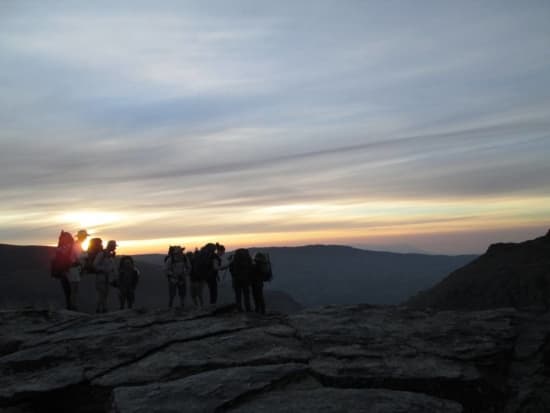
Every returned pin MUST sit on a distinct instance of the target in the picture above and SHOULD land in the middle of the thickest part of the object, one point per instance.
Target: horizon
(391, 249)
(421, 127)
(397, 249)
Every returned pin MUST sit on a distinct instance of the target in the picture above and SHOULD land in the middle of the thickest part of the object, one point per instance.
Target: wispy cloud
(197, 118)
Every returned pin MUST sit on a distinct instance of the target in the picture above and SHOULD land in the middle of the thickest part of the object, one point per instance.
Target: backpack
(202, 263)
(241, 267)
(123, 270)
(94, 247)
(135, 272)
(63, 258)
(174, 250)
(263, 266)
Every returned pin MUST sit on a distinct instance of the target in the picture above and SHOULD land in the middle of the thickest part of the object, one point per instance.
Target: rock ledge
(355, 358)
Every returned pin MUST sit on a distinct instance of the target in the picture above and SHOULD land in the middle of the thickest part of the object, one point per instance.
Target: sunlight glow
(89, 219)
(85, 243)
(352, 221)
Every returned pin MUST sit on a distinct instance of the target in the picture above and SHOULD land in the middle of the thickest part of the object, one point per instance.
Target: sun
(85, 244)
(91, 221)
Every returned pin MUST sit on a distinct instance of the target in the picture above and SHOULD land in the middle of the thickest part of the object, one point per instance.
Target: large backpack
(123, 271)
(263, 266)
(203, 268)
(172, 249)
(63, 258)
(95, 246)
(241, 267)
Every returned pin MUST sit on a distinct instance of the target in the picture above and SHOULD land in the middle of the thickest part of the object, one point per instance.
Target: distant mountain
(331, 274)
(156, 259)
(398, 248)
(318, 275)
(507, 275)
(25, 281)
(311, 275)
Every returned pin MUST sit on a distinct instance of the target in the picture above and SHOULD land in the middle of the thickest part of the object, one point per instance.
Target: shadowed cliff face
(355, 358)
(507, 275)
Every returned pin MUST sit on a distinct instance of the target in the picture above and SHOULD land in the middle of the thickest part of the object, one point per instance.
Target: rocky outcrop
(355, 358)
(507, 275)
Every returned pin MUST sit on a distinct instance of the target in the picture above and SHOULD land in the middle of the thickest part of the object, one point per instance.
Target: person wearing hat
(73, 276)
(105, 265)
(81, 236)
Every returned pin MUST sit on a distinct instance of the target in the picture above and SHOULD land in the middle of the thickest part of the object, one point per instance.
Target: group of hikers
(204, 266)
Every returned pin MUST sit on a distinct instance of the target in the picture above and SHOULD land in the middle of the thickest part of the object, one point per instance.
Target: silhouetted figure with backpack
(128, 277)
(261, 273)
(241, 269)
(75, 272)
(206, 265)
(95, 246)
(176, 268)
(105, 267)
(62, 262)
(195, 280)
(66, 265)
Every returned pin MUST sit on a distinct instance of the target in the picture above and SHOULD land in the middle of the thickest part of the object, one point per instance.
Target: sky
(398, 125)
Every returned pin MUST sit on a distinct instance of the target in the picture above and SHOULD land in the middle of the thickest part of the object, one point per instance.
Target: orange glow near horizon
(351, 221)
(357, 236)
(90, 219)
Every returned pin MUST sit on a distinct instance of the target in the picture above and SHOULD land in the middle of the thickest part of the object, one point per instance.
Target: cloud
(239, 107)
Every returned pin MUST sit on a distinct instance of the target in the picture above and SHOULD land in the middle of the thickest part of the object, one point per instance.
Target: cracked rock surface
(331, 359)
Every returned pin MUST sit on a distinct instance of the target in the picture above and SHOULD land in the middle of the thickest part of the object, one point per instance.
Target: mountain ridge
(312, 275)
(507, 275)
(341, 275)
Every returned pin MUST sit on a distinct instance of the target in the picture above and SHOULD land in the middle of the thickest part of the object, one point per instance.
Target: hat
(82, 233)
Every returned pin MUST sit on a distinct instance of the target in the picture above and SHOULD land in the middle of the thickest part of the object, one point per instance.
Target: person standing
(241, 268)
(74, 274)
(261, 272)
(195, 280)
(176, 268)
(224, 261)
(207, 264)
(105, 267)
(128, 277)
(61, 264)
